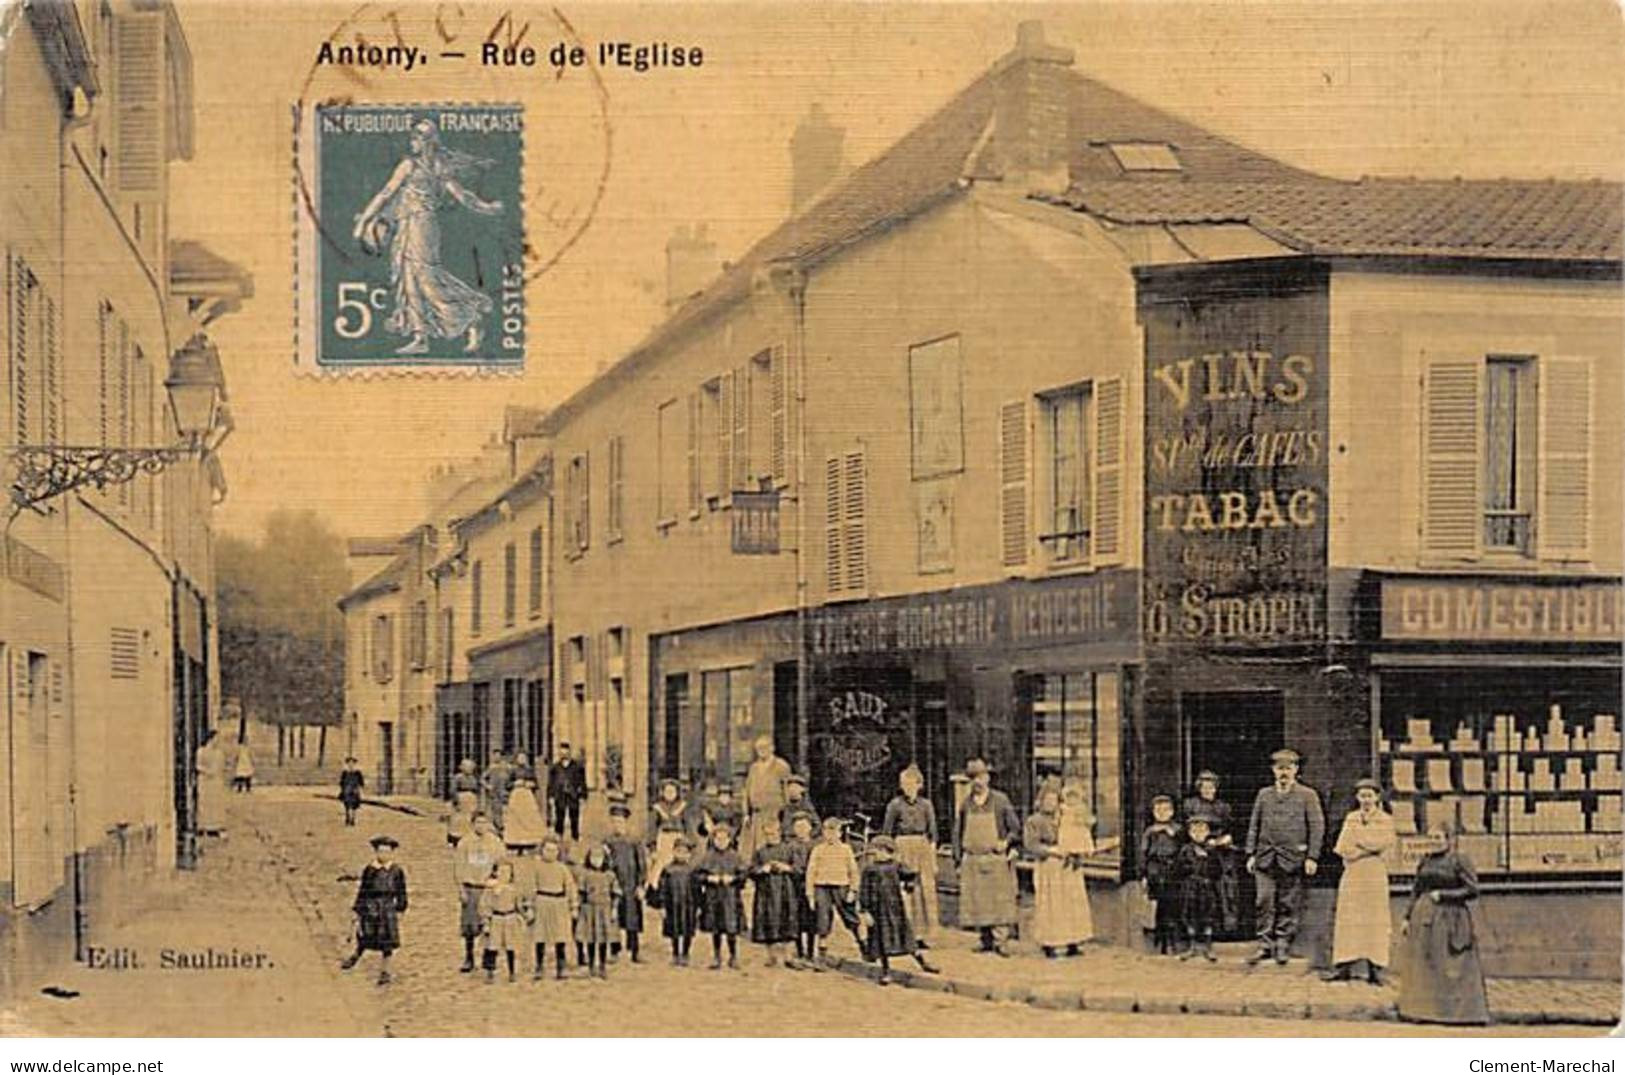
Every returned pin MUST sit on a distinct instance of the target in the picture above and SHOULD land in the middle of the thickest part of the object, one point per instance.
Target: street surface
(282, 885)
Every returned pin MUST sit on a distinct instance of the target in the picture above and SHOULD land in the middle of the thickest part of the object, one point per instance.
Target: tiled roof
(1501, 218)
(386, 581)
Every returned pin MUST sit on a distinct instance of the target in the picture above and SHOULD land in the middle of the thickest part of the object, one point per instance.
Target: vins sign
(756, 524)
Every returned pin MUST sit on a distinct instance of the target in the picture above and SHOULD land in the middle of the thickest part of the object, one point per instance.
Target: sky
(1477, 90)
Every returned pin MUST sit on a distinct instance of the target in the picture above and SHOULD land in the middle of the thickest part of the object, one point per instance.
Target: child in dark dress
(600, 895)
(1159, 851)
(673, 894)
(774, 919)
(630, 861)
(379, 902)
(720, 874)
(882, 909)
(1199, 868)
(800, 844)
(350, 784)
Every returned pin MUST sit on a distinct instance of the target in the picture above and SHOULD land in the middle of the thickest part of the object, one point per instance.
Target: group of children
(1183, 867)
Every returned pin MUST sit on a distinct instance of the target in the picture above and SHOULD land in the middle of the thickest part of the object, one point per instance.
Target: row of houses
(1073, 436)
(107, 609)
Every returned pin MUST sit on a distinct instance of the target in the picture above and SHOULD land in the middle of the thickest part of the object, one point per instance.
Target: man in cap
(1284, 839)
(986, 838)
(566, 787)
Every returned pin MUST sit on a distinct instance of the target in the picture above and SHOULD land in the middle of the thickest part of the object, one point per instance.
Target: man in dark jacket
(566, 787)
(1284, 839)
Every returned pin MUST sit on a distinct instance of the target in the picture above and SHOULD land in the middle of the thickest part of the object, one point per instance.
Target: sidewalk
(1108, 978)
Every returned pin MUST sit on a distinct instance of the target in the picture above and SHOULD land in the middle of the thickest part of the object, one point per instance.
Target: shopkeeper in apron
(985, 838)
(911, 821)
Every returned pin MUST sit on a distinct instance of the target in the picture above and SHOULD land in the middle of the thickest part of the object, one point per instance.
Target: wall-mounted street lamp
(41, 472)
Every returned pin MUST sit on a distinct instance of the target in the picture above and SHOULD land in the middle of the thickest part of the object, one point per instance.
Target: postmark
(413, 249)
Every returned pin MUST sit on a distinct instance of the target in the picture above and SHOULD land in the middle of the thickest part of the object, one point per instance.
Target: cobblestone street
(284, 882)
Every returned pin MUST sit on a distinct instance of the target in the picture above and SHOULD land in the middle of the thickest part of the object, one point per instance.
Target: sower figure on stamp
(429, 299)
(1284, 839)
(380, 900)
(985, 840)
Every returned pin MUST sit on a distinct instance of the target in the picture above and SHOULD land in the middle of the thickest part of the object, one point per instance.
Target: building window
(671, 450)
(615, 521)
(1076, 738)
(1509, 453)
(538, 564)
(1066, 445)
(713, 446)
(510, 583)
(936, 418)
(1145, 156)
(418, 640)
(476, 597)
(1507, 457)
(577, 493)
(728, 722)
(383, 648)
(846, 525)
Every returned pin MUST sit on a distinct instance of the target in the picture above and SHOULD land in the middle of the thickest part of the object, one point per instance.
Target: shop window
(1076, 738)
(1507, 457)
(1527, 767)
(728, 718)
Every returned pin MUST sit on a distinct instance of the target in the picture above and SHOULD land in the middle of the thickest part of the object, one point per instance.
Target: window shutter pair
(846, 523)
(1452, 517)
(1016, 478)
(137, 89)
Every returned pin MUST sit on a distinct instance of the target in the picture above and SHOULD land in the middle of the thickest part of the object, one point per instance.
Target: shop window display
(1075, 737)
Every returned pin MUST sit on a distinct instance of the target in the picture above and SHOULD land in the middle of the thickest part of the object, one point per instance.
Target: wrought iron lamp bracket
(42, 472)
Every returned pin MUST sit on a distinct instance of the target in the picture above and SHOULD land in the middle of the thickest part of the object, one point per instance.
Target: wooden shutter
(693, 451)
(741, 428)
(1563, 517)
(1106, 532)
(1014, 466)
(834, 569)
(725, 435)
(137, 99)
(1452, 428)
(53, 377)
(855, 520)
(584, 505)
(778, 406)
(536, 564)
(617, 472)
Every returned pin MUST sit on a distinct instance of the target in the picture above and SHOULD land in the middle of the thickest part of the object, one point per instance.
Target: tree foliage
(281, 632)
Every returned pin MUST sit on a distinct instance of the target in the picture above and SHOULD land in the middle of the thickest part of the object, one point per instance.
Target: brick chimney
(691, 262)
(815, 156)
(1031, 117)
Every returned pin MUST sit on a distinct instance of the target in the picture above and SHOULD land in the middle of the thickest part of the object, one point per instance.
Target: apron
(987, 884)
(916, 853)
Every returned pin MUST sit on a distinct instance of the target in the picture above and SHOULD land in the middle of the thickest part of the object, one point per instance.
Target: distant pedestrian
(1222, 839)
(1159, 854)
(600, 895)
(210, 763)
(800, 844)
(566, 787)
(497, 782)
(911, 821)
(674, 895)
(775, 902)
(523, 824)
(472, 862)
(832, 887)
(242, 775)
(630, 861)
(669, 820)
(1061, 916)
(380, 900)
(1198, 868)
(1361, 926)
(1442, 979)
(351, 783)
(502, 919)
(882, 909)
(720, 875)
(1284, 838)
(555, 904)
(985, 841)
(523, 769)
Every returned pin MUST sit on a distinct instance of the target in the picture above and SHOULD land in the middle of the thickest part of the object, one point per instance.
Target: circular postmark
(450, 55)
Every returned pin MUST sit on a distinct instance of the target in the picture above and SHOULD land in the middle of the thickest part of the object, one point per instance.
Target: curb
(1072, 1001)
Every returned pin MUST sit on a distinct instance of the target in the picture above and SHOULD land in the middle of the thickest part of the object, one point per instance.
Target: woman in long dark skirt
(673, 895)
(773, 919)
(1443, 980)
(883, 909)
(380, 900)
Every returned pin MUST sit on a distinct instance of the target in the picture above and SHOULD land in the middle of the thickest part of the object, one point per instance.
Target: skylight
(1145, 156)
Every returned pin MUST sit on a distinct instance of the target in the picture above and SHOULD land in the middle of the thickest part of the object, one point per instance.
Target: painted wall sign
(1081, 608)
(1487, 610)
(756, 523)
(1236, 471)
(30, 568)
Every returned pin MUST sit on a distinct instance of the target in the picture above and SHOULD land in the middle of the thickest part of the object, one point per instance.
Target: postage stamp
(410, 237)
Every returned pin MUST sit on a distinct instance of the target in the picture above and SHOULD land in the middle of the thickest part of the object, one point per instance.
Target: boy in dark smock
(882, 908)
(720, 874)
(630, 861)
(380, 900)
(674, 895)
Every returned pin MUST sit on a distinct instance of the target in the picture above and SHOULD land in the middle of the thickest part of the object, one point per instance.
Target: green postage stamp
(410, 237)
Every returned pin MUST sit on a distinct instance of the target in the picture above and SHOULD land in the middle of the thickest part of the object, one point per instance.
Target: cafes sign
(1489, 610)
(756, 523)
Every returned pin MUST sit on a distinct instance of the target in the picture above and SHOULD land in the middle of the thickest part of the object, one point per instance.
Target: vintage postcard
(742, 519)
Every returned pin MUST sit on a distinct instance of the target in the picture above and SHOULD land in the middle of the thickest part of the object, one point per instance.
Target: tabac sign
(1236, 470)
(756, 523)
